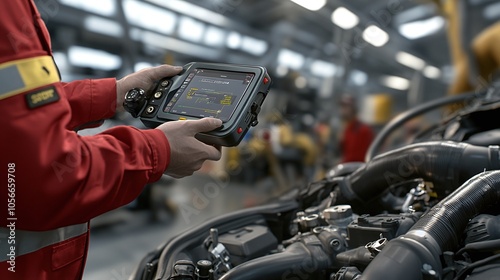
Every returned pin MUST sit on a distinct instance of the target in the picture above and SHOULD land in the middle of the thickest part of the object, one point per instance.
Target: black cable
(474, 265)
(410, 114)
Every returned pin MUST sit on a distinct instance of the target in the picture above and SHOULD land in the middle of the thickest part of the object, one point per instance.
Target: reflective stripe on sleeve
(26, 74)
(24, 242)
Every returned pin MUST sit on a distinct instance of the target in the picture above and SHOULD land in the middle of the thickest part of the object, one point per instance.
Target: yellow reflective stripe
(26, 74)
(21, 242)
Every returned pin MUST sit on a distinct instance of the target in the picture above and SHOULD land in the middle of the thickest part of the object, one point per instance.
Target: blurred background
(333, 63)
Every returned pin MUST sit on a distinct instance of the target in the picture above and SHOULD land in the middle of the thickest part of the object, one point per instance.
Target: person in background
(357, 136)
(55, 180)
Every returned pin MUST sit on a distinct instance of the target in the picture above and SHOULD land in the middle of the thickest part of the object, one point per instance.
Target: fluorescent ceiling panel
(418, 29)
(253, 46)
(103, 26)
(191, 29)
(149, 17)
(290, 59)
(358, 77)
(432, 72)
(194, 11)
(396, 82)
(375, 36)
(312, 5)
(101, 7)
(173, 44)
(323, 69)
(214, 36)
(233, 40)
(93, 58)
(410, 60)
(344, 18)
(142, 65)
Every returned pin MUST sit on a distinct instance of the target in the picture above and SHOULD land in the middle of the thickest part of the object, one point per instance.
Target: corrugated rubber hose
(438, 230)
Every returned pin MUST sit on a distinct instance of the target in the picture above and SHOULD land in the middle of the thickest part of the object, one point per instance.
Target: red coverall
(61, 180)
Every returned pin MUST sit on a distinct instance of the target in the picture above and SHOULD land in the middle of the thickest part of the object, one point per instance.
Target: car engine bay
(428, 210)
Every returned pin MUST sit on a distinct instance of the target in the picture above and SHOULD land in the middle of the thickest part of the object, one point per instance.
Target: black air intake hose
(446, 164)
(438, 230)
(296, 262)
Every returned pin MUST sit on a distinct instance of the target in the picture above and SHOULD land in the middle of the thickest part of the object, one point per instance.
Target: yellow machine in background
(476, 59)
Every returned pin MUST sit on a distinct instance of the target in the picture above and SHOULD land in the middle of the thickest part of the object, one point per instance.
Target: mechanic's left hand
(143, 79)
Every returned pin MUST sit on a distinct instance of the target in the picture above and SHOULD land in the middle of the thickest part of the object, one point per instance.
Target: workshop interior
(369, 147)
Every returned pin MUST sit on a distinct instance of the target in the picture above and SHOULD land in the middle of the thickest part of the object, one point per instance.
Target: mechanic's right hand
(187, 153)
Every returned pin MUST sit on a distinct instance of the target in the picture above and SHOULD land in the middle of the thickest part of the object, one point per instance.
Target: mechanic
(357, 136)
(53, 180)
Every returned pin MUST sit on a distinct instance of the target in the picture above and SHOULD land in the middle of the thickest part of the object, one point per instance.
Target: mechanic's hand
(143, 79)
(187, 153)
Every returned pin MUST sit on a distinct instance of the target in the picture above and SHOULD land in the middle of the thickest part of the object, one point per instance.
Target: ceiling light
(322, 68)
(344, 18)
(233, 40)
(253, 46)
(396, 82)
(149, 17)
(290, 59)
(194, 11)
(312, 5)
(415, 13)
(432, 72)
(410, 60)
(375, 36)
(358, 77)
(176, 45)
(93, 58)
(417, 29)
(190, 29)
(214, 36)
(142, 65)
(103, 26)
(101, 7)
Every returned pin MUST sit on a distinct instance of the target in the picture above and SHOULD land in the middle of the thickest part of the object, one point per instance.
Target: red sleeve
(90, 100)
(61, 178)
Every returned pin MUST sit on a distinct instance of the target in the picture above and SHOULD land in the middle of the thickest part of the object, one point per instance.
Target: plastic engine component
(483, 227)
(248, 243)
(369, 228)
